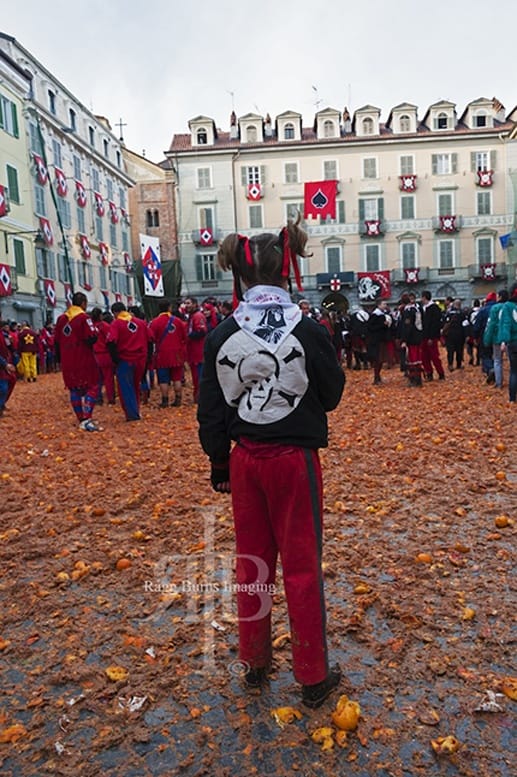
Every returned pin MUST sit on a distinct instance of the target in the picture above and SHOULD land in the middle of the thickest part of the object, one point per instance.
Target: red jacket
(196, 335)
(169, 335)
(75, 334)
(28, 341)
(131, 337)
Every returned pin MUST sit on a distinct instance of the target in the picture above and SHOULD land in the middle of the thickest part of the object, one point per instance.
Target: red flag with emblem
(104, 253)
(206, 237)
(485, 177)
(113, 212)
(320, 199)
(374, 285)
(50, 292)
(85, 246)
(118, 297)
(99, 204)
(68, 294)
(412, 274)
(127, 261)
(61, 182)
(3, 201)
(40, 169)
(46, 230)
(6, 287)
(80, 194)
(254, 191)
(488, 272)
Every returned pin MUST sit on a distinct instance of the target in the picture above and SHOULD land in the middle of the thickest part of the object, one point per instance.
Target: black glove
(219, 473)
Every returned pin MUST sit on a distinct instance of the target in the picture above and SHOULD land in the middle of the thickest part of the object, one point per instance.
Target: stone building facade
(421, 199)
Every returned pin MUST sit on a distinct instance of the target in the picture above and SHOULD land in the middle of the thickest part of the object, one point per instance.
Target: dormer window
(329, 130)
(405, 124)
(289, 132)
(202, 137)
(480, 120)
(251, 134)
(441, 121)
(367, 125)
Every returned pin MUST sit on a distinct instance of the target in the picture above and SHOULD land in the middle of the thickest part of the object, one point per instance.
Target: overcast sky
(158, 63)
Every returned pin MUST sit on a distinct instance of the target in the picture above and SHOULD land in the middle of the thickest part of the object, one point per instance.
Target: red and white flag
(206, 236)
(3, 201)
(320, 199)
(68, 294)
(104, 253)
(118, 296)
(408, 183)
(412, 274)
(124, 215)
(127, 261)
(61, 182)
(46, 230)
(85, 246)
(374, 285)
(254, 191)
(488, 272)
(113, 212)
(80, 194)
(40, 169)
(99, 204)
(6, 287)
(130, 300)
(50, 292)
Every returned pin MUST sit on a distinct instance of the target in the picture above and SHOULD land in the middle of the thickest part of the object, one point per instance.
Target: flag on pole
(68, 294)
(506, 241)
(61, 182)
(46, 230)
(152, 266)
(80, 194)
(5, 280)
(373, 285)
(50, 292)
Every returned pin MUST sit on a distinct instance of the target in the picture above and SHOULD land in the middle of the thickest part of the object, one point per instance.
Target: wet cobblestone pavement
(418, 585)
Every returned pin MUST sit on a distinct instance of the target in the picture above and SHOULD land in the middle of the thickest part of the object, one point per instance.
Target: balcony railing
(448, 225)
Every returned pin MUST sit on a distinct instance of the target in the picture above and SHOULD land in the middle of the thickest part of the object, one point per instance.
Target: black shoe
(165, 403)
(429, 376)
(313, 696)
(255, 678)
(490, 378)
(377, 381)
(441, 377)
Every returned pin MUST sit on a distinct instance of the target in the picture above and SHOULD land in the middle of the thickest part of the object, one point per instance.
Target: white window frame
(203, 178)
(440, 244)
(482, 160)
(251, 134)
(289, 131)
(208, 267)
(488, 239)
(403, 119)
(367, 125)
(409, 198)
(296, 165)
(329, 129)
(371, 209)
(405, 167)
(256, 208)
(206, 217)
(414, 263)
(442, 117)
(480, 196)
(445, 211)
(253, 174)
(373, 162)
(333, 173)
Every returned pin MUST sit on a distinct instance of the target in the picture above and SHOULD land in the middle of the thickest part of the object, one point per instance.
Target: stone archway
(335, 302)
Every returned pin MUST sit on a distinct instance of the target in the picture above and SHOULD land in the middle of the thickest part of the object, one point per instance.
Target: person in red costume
(129, 343)
(169, 336)
(197, 330)
(103, 358)
(75, 336)
(28, 345)
(270, 376)
(7, 368)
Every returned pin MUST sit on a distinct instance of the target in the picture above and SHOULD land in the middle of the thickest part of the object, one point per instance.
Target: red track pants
(277, 510)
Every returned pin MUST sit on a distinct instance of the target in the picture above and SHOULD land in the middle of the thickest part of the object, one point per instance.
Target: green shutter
(454, 163)
(16, 132)
(1, 112)
(361, 210)
(262, 174)
(493, 158)
(434, 164)
(473, 166)
(244, 176)
(341, 212)
(380, 208)
(199, 268)
(19, 257)
(12, 184)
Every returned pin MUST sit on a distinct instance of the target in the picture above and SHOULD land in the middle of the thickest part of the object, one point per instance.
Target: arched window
(329, 130)
(405, 124)
(148, 218)
(202, 137)
(289, 132)
(156, 218)
(251, 134)
(368, 126)
(442, 121)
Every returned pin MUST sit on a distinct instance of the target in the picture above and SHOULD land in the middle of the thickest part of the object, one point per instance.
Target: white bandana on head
(267, 315)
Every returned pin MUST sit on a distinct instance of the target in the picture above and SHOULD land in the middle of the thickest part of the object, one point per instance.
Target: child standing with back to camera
(270, 376)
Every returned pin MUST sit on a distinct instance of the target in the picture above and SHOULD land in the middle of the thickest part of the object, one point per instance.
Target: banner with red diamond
(50, 292)
(68, 294)
(80, 194)
(46, 230)
(206, 237)
(104, 253)
(6, 288)
(3, 201)
(99, 204)
(85, 247)
(254, 191)
(40, 169)
(113, 212)
(61, 182)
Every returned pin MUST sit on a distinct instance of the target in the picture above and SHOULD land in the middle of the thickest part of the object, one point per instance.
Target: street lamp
(39, 240)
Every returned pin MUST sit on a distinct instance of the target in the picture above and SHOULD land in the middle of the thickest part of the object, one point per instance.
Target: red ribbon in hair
(289, 257)
(245, 241)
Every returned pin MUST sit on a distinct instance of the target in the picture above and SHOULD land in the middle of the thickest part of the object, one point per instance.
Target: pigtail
(292, 241)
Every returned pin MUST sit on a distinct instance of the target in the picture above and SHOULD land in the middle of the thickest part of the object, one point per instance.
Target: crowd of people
(122, 356)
